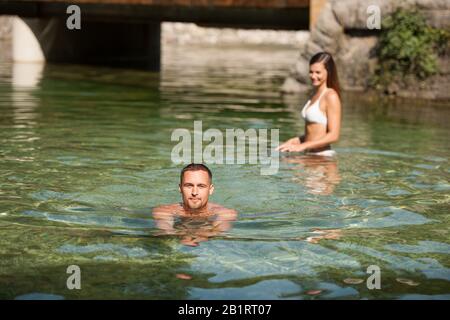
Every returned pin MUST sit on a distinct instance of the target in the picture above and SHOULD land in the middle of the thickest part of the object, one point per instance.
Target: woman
(322, 112)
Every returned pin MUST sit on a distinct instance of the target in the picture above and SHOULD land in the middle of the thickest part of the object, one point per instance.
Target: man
(199, 219)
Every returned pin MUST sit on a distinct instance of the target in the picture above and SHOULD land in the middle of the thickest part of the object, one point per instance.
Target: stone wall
(190, 33)
(342, 31)
(5, 38)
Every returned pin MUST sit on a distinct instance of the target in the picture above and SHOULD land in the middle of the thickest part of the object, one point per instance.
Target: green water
(85, 155)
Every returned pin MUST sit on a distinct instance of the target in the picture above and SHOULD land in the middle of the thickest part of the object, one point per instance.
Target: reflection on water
(25, 78)
(319, 174)
(26, 75)
(193, 232)
(86, 156)
(333, 234)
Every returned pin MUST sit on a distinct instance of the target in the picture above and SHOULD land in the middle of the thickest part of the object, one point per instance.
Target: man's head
(196, 186)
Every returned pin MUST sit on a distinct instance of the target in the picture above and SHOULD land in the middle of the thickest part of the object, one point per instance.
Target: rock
(190, 33)
(183, 276)
(341, 29)
(352, 14)
(6, 23)
(393, 88)
(438, 18)
(302, 70)
(5, 27)
(291, 85)
(313, 292)
(353, 281)
(432, 4)
(311, 48)
(357, 52)
(444, 65)
(327, 23)
(324, 41)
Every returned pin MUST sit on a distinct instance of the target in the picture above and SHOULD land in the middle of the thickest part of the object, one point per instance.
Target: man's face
(195, 189)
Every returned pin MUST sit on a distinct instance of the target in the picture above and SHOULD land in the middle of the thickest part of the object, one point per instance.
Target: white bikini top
(313, 113)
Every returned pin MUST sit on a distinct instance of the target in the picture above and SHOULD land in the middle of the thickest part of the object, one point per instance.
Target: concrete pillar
(315, 7)
(116, 44)
(25, 45)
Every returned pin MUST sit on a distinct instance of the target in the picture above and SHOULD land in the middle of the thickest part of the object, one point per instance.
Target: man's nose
(194, 191)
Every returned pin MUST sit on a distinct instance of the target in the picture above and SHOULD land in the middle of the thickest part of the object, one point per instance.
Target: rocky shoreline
(342, 31)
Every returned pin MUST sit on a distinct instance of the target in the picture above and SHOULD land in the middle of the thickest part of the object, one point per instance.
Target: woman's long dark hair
(330, 66)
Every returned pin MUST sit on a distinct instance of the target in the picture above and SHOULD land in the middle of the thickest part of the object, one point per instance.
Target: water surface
(85, 155)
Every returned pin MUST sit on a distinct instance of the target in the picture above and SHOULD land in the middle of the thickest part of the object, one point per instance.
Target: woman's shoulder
(332, 100)
(332, 97)
(331, 94)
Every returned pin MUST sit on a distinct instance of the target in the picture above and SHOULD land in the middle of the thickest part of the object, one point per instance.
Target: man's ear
(179, 187)
(211, 189)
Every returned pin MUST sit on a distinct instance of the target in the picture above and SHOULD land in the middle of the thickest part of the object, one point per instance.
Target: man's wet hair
(196, 167)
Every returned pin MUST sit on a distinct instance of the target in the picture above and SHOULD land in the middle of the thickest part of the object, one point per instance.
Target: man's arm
(164, 218)
(225, 217)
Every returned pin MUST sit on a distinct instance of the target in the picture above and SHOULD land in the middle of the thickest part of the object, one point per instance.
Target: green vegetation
(408, 48)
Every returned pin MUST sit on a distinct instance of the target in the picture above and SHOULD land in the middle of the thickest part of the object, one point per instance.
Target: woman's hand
(292, 148)
(292, 145)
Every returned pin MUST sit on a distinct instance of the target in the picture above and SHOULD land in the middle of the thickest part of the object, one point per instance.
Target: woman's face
(317, 74)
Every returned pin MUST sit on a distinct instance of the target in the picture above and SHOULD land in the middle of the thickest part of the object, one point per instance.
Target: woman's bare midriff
(314, 132)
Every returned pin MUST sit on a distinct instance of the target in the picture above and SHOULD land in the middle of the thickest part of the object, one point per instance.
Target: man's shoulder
(163, 207)
(166, 209)
(223, 212)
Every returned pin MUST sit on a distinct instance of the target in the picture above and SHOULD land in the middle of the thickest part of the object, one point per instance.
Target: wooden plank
(281, 18)
(199, 3)
(316, 7)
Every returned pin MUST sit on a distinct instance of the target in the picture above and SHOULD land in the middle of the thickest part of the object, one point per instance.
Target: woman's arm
(333, 109)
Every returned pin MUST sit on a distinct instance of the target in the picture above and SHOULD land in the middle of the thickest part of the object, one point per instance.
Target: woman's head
(323, 69)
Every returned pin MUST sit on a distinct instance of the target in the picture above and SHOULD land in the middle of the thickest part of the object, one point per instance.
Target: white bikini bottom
(325, 153)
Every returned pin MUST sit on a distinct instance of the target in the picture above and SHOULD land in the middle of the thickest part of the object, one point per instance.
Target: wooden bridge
(273, 14)
(113, 30)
